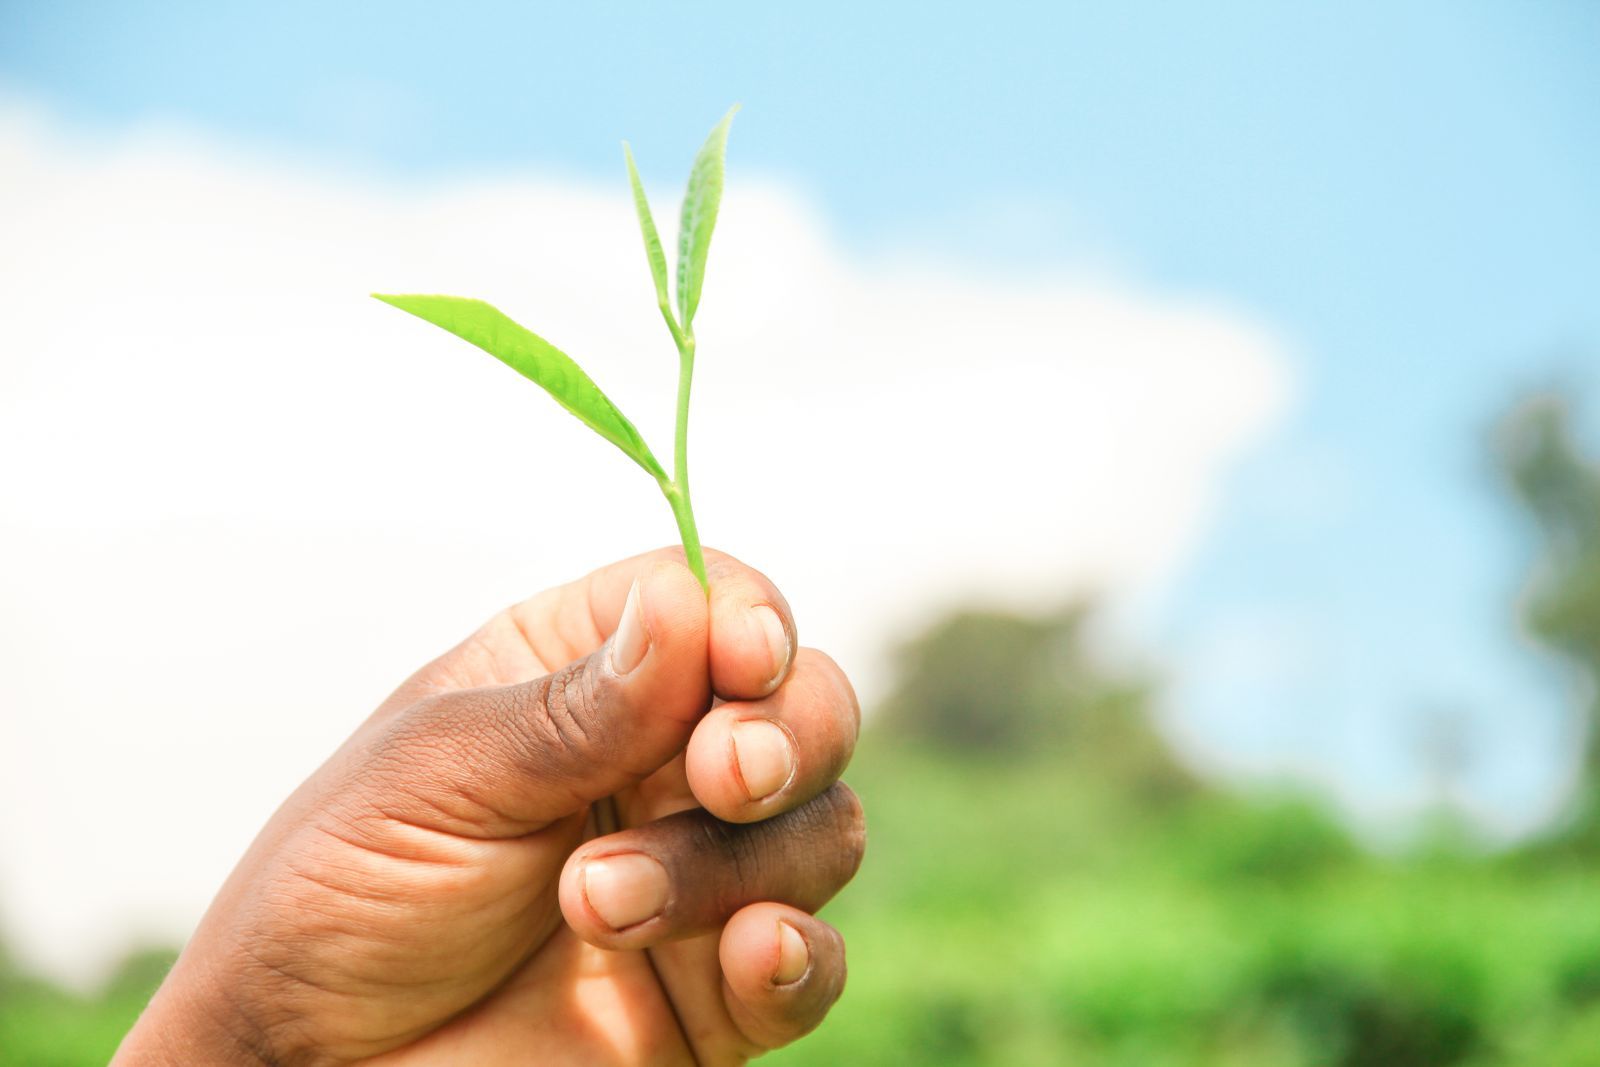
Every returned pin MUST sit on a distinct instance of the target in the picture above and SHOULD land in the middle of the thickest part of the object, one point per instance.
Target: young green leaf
(647, 226)
(537, 359)
(699, 218)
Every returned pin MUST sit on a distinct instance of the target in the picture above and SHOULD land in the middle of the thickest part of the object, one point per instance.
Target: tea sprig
(538, 360)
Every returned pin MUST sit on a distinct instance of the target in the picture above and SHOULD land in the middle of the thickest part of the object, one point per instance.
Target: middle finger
(687, 873)
(750, 760)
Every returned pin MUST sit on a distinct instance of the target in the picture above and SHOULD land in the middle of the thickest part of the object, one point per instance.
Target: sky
(1210, 309)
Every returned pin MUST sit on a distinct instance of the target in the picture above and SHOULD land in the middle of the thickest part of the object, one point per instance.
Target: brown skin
(421, 898)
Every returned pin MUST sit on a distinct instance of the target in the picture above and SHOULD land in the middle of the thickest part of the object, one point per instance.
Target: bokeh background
(1172, 416)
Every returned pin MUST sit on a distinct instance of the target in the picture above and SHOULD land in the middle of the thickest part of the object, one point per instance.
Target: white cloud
(239, 500)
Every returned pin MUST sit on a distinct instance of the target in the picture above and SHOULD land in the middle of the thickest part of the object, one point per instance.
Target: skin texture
(428, 895)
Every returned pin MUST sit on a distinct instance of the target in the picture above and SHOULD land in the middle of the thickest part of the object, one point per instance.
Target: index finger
(752, 638)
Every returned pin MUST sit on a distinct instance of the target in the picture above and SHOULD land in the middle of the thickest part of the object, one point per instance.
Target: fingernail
(794, 955)
(632, 640)
(765, 759)
(777, 640)
(625, 890)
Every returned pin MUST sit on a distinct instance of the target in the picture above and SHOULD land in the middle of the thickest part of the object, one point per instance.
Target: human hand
(543, 848)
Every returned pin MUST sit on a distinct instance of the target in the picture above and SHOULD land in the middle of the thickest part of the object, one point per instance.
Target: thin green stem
(684, 513)
(672, 325)
(677, 491)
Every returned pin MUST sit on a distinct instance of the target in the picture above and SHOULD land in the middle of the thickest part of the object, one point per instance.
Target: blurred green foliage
(992, 686)
(1018, 915)
(1560, 489)
(45, 1026)
(1047, 884)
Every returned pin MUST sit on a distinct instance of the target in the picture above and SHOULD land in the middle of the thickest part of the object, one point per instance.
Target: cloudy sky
(1206, 313)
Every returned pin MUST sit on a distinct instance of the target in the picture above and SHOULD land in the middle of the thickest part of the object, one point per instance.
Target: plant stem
(677, 491)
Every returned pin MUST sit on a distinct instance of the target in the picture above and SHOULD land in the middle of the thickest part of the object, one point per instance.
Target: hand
(550, 846)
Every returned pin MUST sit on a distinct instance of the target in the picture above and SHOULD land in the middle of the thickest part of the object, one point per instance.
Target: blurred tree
(1560, 487)
(1000, 684)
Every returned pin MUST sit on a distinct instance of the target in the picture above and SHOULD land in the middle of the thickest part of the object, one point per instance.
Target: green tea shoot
(537, 359)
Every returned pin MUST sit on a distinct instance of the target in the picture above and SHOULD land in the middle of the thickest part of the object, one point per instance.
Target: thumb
(504, 761)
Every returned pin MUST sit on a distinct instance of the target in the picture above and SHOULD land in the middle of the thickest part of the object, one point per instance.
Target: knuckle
(745, 856)
(556, 725)
(565, 707)
(829, 831)
(831, 687)
(466, 755)
(850, 826)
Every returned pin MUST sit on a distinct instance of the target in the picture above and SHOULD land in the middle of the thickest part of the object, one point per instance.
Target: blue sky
(1406, 192)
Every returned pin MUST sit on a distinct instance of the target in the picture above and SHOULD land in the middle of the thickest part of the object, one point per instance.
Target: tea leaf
(647, 226)
(699, 218)
(535, 358)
